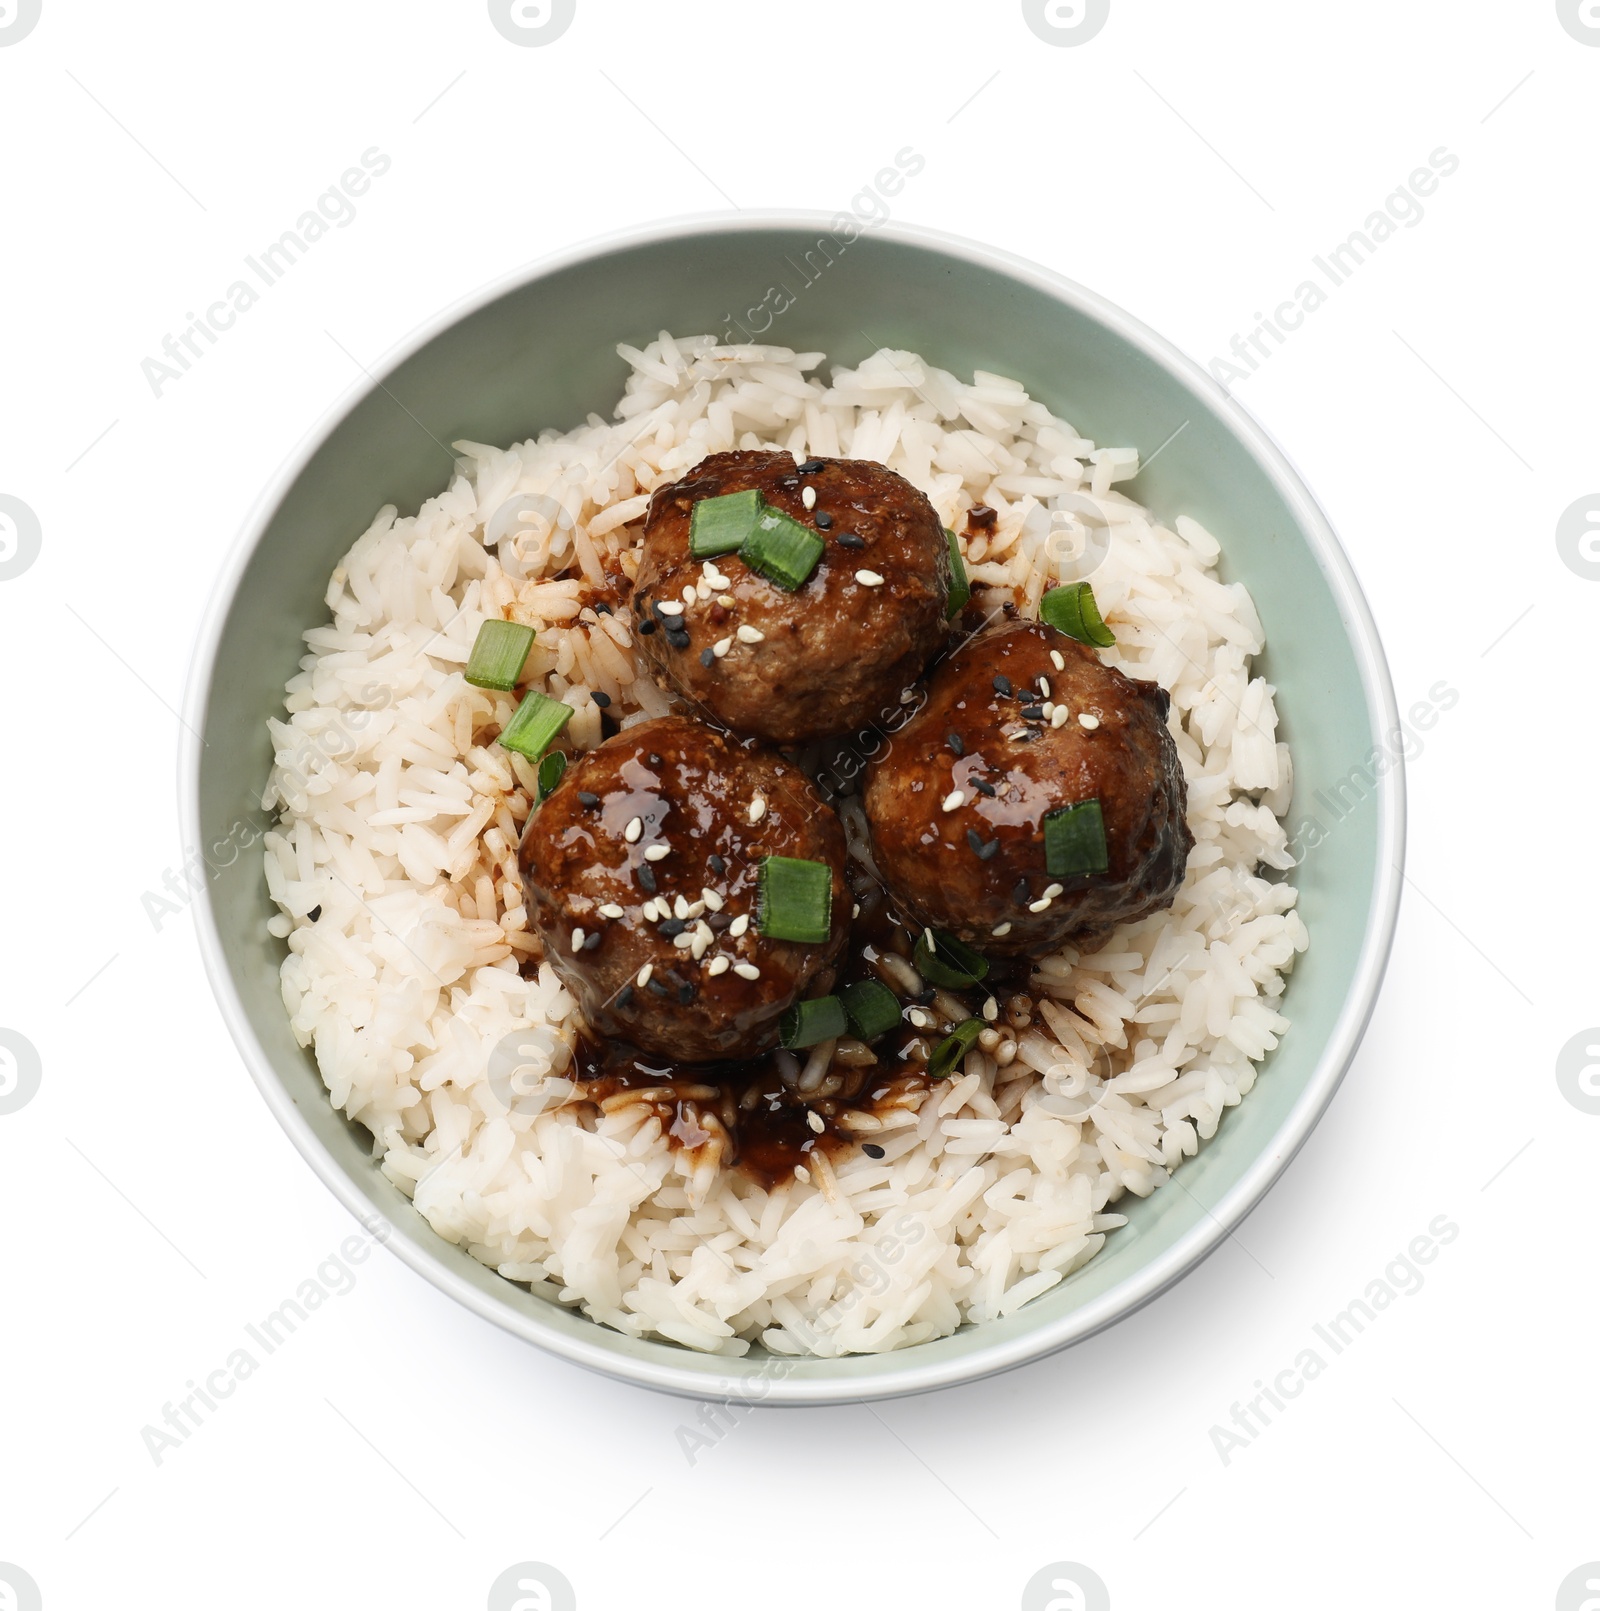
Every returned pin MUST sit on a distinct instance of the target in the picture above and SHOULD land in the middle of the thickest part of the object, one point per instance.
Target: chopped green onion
(551, 771)
(1072, 610)
(534, 726)
(1075, 839)
(720, 525)
(874, 1008)
(948, 1054)
(947, 962)
(796, 899)
(782, 550)
(498, 654)
(960, 587)
(808, 1023)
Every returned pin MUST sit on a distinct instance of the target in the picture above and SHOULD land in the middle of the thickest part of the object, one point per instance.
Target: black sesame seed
(603, 700)
(602, 608)
(313, 914)
(685, 993)
(926, 998)
(678, 640)
(1020, 893)
(954, 741)
(716, 864)
(848, 539)
(987, 852)
(810, 467)
(1033, 713)
(588, 801)
(1002, 686)
(708, 657)
(656, 986)
(824, 520)
(625, 996)
(672, 928)
(872, 1149)
(646, 628)
(975, 839)
(718, 922)
(591, 942)
(982, 787)
(647, 878)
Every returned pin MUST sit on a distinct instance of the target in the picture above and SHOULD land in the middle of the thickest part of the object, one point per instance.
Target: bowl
(538, 349)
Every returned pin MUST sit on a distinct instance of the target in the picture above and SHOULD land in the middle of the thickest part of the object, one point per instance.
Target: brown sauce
(765, 1120)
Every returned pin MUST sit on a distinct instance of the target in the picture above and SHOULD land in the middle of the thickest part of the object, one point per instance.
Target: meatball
(647, 855)
(831, 657)
(957, 802)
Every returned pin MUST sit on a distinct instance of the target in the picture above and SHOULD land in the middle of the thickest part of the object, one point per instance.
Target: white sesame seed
(928, 935)
(1040, 905)
(1051, 893)
(758, 808)
(954, 799)
(717, 579)
(656, 852)
(697, 908)
(633, 830)
(670, 608)
(712, 899)
(813, 1118)
(1048, 709)
(718, 965)
(747, 970)
(907, 695)
(1001, 930)
(801, 1173)
(703, 929)
(855, 909)
(1057, 661)
(698, 946)
(648, 911)
(919, 1019)
(991, 1010)
(680, 909)
(702, 591)
(1060, 716)
(739, 925)
(689, 595)
(1044, 686)
(869, 579)
(721, 647)
(1088, 723)
(750, 634)
(726, 601)
(611, 910)
(577, 939)
(642, 977)
(809, 497)
(682, 942)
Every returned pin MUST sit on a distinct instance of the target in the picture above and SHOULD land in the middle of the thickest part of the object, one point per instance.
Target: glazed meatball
(647, 855)
(957, 803)
(830, 657)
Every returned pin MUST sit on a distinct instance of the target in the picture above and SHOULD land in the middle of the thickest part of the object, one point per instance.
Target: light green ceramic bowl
(539, 350)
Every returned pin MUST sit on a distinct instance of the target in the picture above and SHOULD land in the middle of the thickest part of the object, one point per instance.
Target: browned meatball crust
(834, 655)
(977, 868)
(693, 794)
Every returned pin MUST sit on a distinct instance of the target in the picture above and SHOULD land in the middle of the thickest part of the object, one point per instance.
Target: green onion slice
(808, 1023)
(960, 587)
(782, 550)
(534, 726)
(498, 654)
(948, 1054)
(796, 899)
(720, 525)
(551, 771)
(1072, 610)
(873, 1008)
(1075, 839)
(947, 962)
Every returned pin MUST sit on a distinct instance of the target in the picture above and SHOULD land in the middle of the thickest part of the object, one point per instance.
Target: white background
(1188, 162)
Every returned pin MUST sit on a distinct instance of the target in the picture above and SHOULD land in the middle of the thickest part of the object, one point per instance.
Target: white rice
(994, 1186)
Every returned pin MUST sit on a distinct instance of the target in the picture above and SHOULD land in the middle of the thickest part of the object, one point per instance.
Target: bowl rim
(597, 1352)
